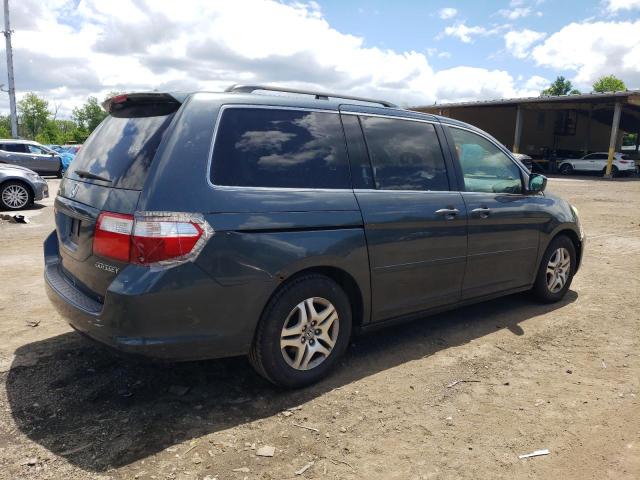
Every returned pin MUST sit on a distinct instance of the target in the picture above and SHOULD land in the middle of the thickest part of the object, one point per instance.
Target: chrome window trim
(502, 149)
(420, 192)
(393, 117)
(229, 106)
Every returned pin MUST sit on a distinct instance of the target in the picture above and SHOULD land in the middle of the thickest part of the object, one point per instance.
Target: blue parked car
(65, 156)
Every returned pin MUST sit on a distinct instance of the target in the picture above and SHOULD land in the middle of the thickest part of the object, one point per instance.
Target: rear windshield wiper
(93, 176)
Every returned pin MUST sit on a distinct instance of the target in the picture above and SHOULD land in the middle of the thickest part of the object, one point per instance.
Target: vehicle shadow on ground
(101, 411)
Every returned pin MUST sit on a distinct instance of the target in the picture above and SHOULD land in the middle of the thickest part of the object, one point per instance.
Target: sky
(409, 52)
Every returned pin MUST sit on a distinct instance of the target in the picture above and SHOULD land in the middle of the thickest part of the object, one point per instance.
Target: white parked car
(597, 162)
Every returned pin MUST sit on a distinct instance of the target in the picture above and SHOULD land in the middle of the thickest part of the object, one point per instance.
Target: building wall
(537, 130)
(538, 133)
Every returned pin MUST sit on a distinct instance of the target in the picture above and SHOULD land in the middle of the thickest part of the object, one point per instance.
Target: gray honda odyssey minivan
(277, 225)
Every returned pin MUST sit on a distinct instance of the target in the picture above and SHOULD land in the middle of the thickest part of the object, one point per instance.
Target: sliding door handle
(482, 212)
(448, 213)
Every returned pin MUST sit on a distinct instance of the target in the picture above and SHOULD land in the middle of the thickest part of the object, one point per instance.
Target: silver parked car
(31, 155)
(19, 187)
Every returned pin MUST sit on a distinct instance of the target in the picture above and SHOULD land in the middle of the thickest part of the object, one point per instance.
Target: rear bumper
(168, 314)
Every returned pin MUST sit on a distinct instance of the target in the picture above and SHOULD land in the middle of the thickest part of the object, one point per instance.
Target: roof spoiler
(317, 95)
(163, 103)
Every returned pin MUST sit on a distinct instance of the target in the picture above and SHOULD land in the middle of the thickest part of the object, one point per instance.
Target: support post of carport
(614, 137)
(587, 137)
(518, 131)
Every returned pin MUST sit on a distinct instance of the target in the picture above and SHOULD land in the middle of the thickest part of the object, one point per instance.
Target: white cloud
(463, 33)
(592, 50)
(434, 52)
(66, 50)
(615, 6)
(515, 13)
(66, 53)
(447, 13)
(518, 43)
(455, 85)
(537, 83)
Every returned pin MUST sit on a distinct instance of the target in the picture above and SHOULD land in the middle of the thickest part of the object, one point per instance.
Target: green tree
(5, 126)
(89, 115)
(609, 83)
(561, 86)
(34, 115)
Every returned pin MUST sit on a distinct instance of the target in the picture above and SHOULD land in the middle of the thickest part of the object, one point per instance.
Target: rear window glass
(121, 150)
(257, 147)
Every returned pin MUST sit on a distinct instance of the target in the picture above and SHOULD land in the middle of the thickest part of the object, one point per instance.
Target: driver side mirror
(537, 183)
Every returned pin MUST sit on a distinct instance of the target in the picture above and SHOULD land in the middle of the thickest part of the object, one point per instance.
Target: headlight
(577, 217)
(35, 177)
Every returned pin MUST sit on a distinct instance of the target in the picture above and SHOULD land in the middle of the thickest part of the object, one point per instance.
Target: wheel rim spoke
(300, 354)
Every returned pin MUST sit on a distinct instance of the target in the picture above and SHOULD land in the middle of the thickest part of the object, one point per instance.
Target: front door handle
(448, 213)
(482, 212)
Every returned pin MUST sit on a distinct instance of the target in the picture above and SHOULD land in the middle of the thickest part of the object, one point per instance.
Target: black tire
(566, 169)
(541, 290)
(614, 171)
(266, 355)
(15, 184)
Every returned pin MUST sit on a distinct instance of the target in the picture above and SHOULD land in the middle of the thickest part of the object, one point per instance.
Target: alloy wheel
(309, 333)
(558, 269)
(15, 196)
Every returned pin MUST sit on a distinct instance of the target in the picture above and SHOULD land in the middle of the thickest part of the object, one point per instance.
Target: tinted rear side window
(15, 147)
(121, 149)
(257, 147)
(405, 155)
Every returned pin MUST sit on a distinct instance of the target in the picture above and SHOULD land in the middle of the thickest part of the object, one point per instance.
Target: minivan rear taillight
(112, 238)
(150, 238)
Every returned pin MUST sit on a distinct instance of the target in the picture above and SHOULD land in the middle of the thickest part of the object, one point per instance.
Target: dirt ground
(564, 377)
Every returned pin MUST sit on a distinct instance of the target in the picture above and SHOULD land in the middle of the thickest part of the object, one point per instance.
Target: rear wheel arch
(343, 278)
(266, 353)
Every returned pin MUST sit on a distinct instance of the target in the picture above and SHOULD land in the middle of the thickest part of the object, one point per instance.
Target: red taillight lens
(112, 238)
(145, 240)
(158, 240)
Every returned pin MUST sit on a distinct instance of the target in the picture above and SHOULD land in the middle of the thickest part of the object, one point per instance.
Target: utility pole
(12, 85)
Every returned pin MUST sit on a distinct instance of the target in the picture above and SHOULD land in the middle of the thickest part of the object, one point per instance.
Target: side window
(35, 149)
(484, 166)
(260, 147)
(405, 155)
(15, 147)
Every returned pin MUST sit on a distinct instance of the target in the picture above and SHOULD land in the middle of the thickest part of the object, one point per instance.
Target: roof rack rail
(317, 95)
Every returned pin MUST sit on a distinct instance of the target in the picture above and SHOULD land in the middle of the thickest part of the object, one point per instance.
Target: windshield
(121, 150)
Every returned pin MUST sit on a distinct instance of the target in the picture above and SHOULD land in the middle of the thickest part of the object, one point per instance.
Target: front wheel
(556, 270)
(303, 332)
(566, 169)
(15, 195)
